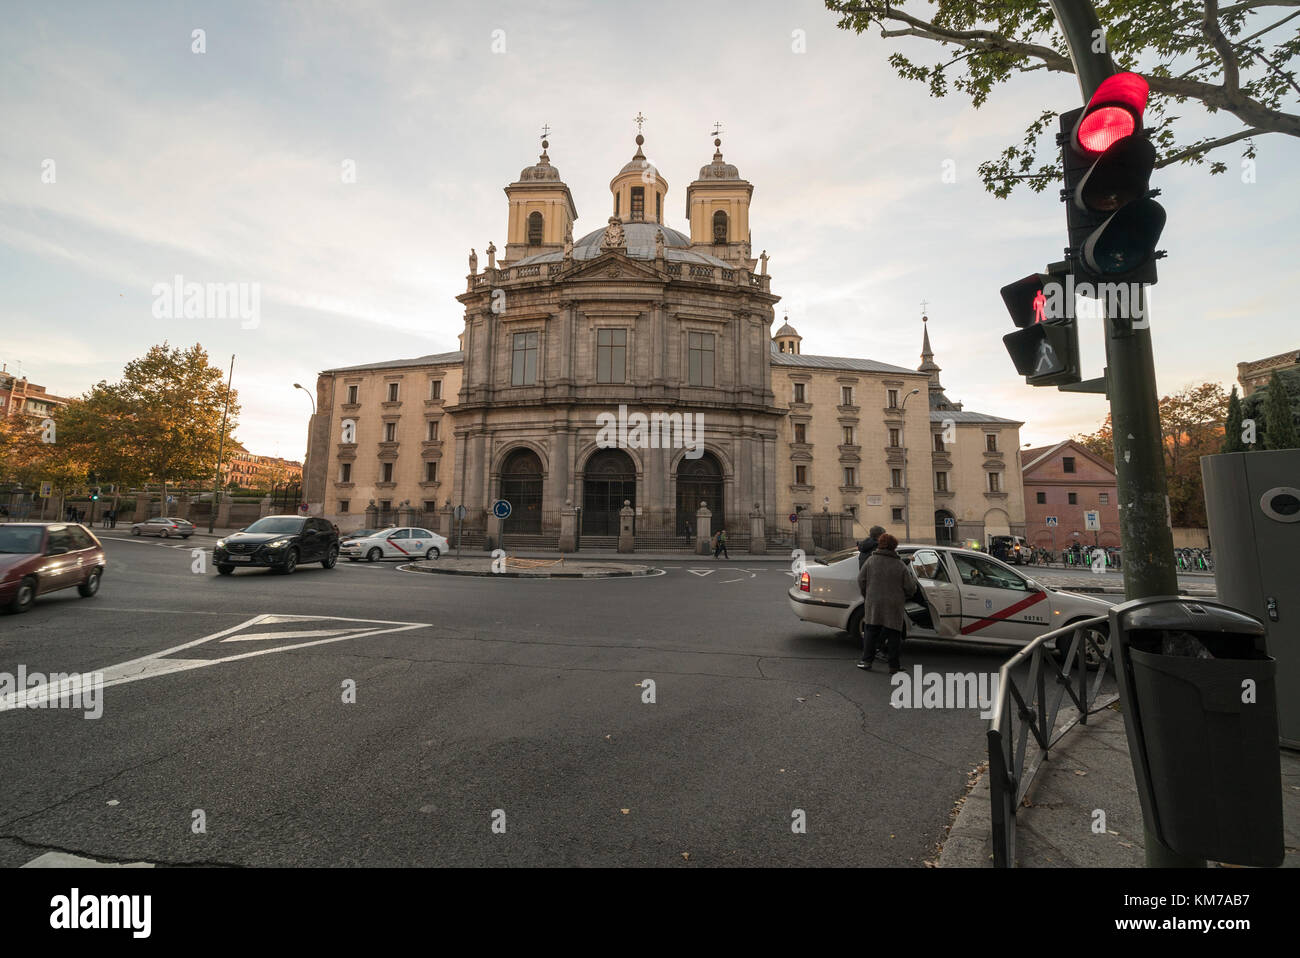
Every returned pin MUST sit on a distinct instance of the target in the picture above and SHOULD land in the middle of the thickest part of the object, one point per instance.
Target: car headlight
(278, 544)
(221, 544)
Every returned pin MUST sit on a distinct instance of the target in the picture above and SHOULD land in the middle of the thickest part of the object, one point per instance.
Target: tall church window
(659, 207)
(611, 355)
(701, 359)
(719, 227)
(523, 370)
(638, 203)
(534, 229)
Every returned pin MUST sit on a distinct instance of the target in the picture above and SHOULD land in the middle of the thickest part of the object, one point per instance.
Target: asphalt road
(508, 700)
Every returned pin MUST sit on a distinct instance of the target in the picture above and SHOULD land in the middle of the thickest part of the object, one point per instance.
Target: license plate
(240, 558)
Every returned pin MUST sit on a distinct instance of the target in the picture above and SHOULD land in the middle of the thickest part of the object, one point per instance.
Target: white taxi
(396, 542)
(967, 596)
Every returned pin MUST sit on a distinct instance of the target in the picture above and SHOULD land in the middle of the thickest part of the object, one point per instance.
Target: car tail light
(805, 582)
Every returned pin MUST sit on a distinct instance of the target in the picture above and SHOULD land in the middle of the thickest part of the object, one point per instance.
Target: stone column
(757, 532)
(372, 515)
(141, 507)
(804, 536)
(493, 532)
(846, 529)
(568, 527)
(626, 523)
(264, 507)
(223, 510)
(446, 521)
(405, 513)
(183, 507)
(703, 529)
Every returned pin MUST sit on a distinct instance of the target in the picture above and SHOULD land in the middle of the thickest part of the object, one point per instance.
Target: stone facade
(562, 336)
(1256, 373)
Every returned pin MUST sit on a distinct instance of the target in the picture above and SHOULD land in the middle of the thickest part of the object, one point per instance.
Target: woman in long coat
(887, 583)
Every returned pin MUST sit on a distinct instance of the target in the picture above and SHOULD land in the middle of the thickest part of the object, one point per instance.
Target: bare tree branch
(1210, 27)
(1202, 149)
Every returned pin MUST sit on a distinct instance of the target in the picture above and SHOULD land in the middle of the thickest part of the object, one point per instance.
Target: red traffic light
(1113, 113)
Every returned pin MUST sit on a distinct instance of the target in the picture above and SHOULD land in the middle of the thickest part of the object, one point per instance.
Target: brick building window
(392, 392)
(1103, 498)
(938, 443)
(896, 478)
(941, 482)
(897, 514)
(1067, 463)
(345, 472)
(344, 504)
(1074, 498)
(1042, 498)
(433, 430)
(895, 437)
(390, 432)
(386, 472)
(848, 435)
(352, 394)
(430, 472)
(846, 395)
(850, 476)
(995, 482)
(800, 432)
(435, 389)
(893, 399)
(990, 442)
(798, 392)
(801, 475)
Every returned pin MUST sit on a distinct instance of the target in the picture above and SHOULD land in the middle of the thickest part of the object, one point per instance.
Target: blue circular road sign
(501, 509)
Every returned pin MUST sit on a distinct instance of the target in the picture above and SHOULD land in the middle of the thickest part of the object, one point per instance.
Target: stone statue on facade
(492, 255)
(659, 244)
(614, 235)
(568, 243)
(473, 262)
(764, 257)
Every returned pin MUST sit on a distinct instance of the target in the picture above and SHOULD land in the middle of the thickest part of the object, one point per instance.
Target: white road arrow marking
(157, 664)
(700, 571)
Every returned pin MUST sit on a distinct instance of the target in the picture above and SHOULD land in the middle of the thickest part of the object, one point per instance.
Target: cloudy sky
(226, 167)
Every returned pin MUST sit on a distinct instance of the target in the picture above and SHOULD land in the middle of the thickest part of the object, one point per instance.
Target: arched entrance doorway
(945, 534)
(699, 480)
(608, 479)
(521, 486)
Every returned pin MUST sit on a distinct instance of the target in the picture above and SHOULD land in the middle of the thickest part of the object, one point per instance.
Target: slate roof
(435, 359)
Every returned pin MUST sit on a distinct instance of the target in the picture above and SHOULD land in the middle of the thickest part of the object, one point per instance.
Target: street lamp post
(306, 466)
(907, 495)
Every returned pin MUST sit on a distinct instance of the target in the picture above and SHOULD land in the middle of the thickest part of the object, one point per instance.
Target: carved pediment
(611, 265)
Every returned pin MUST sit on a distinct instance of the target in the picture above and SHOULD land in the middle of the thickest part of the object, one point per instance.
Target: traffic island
(511, 567)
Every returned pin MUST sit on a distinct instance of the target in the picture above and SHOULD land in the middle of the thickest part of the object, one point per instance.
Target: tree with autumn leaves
(161, 423)
(1191, 426)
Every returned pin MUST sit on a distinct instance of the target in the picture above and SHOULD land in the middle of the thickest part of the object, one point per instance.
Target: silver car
(164, 526)
(965, 595)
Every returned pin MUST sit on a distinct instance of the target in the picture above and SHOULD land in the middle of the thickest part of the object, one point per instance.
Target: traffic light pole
(1148, 543)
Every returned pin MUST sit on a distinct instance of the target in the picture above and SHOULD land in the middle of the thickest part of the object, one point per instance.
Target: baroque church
(642, 322)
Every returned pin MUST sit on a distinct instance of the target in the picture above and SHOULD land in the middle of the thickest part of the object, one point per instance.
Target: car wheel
(290, 562)
(166, 534)
(135, 531)
(433, 553)
(331, 558)
(855, 626)
(1092, 655)
(91, 585)
(373, 555)
(25, 596)
(225, 570)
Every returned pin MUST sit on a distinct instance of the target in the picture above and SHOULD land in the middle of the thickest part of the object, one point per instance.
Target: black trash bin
(1200, 706)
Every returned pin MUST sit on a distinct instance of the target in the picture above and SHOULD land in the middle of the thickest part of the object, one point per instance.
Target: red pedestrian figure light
(1040, 301)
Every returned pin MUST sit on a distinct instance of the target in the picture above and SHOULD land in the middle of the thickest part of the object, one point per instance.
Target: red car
(40, 557)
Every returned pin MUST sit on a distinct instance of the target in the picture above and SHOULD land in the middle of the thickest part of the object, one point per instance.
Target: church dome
(541, 170)
(786, 330)
(718, 170)
(640, 244)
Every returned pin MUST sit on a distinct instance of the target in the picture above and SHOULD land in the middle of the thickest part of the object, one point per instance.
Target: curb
(524, 575)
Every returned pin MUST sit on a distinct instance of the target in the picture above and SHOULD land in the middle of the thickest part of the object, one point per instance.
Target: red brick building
(1065, 481)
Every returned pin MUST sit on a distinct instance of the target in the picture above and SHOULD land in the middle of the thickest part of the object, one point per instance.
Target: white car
(397, 542)
(968, 596)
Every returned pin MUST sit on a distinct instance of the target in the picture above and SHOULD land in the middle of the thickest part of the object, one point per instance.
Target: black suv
(281, 543)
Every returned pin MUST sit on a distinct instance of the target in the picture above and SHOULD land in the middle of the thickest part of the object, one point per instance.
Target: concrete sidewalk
(1090, 772)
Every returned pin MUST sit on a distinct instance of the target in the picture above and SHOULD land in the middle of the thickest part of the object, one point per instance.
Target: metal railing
(1010, 731)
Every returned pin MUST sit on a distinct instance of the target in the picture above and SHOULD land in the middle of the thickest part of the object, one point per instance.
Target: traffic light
(94, 494)
(1114, 223)
(1045, 349)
